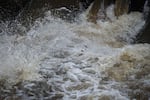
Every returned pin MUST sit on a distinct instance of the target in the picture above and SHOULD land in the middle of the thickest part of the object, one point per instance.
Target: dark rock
(85, 3)
(137, 5)
(144, 35)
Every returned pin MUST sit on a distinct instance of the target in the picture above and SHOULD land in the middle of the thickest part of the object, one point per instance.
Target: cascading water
(58, 60)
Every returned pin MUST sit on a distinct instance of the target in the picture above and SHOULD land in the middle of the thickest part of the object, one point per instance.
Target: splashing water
(76, 61)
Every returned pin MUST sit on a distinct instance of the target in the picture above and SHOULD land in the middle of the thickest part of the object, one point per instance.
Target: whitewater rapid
(58, 60)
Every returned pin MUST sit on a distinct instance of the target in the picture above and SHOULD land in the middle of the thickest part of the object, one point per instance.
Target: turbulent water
(58, 60)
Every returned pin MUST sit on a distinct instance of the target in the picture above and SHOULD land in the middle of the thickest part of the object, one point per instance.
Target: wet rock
(137, 5)
(85, 3)
(144, 36)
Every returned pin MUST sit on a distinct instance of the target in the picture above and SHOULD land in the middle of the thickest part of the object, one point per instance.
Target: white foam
(73, 54)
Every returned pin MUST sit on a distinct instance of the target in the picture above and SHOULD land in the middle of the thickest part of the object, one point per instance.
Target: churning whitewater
(58, 60)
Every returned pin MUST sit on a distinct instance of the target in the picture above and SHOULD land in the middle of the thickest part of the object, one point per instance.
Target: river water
(59, 60)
